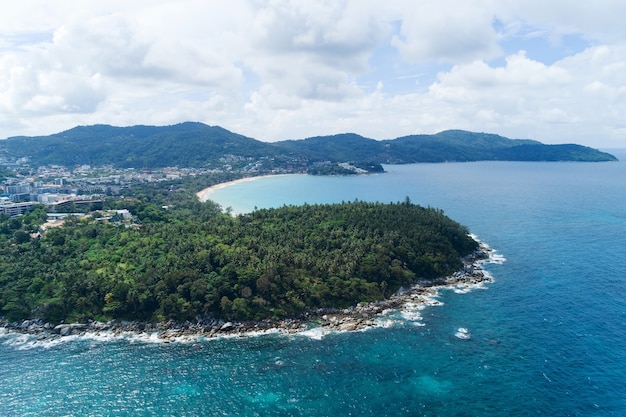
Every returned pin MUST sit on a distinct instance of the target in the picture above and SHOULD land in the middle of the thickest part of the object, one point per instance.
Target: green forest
(198, 145)
(191, 259)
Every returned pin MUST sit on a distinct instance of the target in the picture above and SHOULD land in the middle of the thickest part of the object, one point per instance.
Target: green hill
(271, 263)
(198, 145)
(186, 144)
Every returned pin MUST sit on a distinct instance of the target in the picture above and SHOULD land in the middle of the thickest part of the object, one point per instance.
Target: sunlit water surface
(547, 338)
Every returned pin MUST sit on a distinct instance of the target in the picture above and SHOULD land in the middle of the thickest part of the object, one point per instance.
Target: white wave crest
(462, 333)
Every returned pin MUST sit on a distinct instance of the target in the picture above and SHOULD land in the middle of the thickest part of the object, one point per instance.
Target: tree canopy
(192, 259)
(198, 145)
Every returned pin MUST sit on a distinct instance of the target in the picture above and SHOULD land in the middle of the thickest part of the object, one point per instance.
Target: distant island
(196, 145)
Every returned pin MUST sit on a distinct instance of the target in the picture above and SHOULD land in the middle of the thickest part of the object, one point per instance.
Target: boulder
(227, 326)
(348, 326)
(68, 329)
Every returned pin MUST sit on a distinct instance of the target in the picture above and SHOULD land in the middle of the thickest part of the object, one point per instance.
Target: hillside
(271, 263)
(198, 145)
(446, 146)
(186, 144)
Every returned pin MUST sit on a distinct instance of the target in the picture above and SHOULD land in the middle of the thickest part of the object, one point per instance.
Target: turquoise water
(547, 338)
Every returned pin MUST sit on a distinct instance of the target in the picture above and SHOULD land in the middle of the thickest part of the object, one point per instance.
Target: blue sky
(553, 71)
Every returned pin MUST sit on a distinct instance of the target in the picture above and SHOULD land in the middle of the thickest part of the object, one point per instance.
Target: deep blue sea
(548, 337)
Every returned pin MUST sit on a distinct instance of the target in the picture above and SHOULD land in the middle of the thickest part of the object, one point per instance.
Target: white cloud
(284, 69)
(311, 50)
(600, 20)
(446, 30)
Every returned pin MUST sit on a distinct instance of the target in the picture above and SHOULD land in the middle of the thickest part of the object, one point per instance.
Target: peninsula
(192, 260)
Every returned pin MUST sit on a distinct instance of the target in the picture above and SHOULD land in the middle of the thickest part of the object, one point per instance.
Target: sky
(550, 70)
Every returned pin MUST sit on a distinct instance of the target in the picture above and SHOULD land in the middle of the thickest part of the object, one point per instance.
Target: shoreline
(203, 195)
(315, 323)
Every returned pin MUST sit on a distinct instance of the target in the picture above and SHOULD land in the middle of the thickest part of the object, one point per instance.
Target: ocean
(546, 338)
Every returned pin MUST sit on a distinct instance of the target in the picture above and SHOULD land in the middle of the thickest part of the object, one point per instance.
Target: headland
(315, 323)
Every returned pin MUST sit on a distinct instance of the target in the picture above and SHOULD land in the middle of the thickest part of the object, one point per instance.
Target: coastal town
(83, 188)
(79, 189)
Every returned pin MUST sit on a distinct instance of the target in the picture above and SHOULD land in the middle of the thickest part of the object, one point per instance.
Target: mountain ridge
(195, 144)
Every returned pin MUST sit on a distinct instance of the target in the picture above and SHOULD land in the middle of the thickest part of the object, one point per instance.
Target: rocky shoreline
(359, 317)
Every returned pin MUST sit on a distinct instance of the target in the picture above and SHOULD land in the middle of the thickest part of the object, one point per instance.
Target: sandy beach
(203, 195)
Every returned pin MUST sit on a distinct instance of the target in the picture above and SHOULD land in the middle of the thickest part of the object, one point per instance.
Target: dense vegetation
(446, 146)
(186, 144)
(5, 173)
(341, 169)
(198, 145)
(192, 259)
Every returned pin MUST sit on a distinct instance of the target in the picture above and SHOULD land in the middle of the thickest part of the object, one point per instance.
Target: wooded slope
(198, 145)
(268, 264)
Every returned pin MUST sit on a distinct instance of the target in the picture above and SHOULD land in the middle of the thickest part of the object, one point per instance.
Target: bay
(548, 337)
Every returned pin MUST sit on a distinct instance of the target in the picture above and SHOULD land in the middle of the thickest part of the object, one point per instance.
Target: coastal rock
(227, 326)
(96, 325)
(348, 327)
(69, 329)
